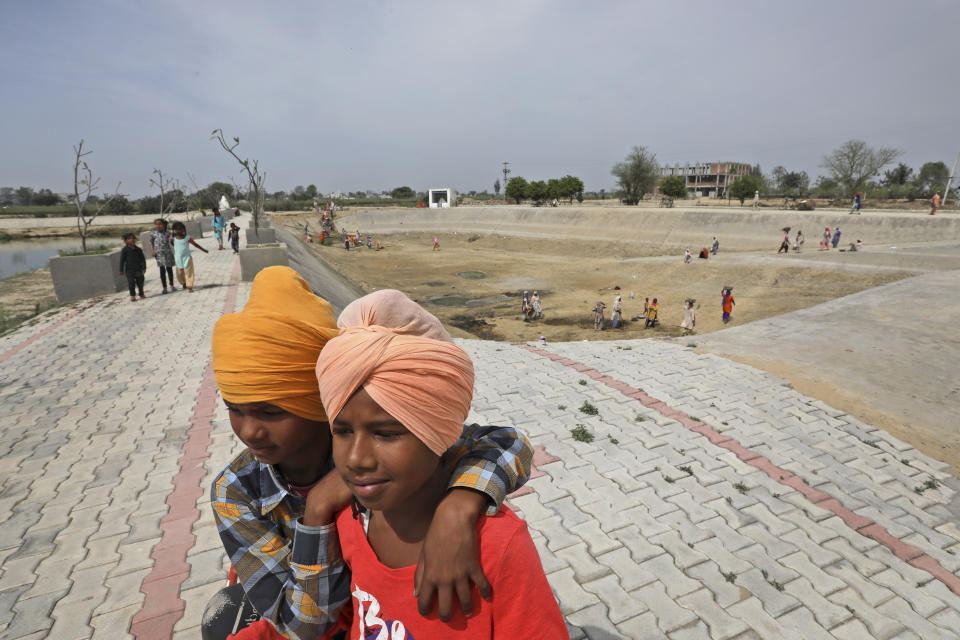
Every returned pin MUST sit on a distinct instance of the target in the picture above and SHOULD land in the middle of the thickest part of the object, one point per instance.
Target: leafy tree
(637, 174)
(45, 197)
(826, 186)
(496, 187)
(755, 170)
(744, 187)
(776, 177)
(516, 189)
(932, 177)
(900, 174)
(794, 182)
(7, 196)
(554, 190)
(299, 193)
(571, 187)
(854, 162)
(673, 186)
(24, 196)
(311, 191)
(537, 191)
(118, 206)
(402, 192)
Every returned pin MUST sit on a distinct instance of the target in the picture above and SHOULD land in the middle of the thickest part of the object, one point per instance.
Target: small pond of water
(25, 255)
(472, 275)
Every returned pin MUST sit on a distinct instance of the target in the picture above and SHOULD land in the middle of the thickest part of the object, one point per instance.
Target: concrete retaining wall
(253, 259)
(737, 229)
(263, 236)
(78, 277)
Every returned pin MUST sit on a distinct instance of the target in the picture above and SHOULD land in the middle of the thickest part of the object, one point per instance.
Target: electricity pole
(506, 172)
(953, 173)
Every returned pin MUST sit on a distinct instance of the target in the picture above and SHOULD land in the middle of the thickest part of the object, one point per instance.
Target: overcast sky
(351, 95)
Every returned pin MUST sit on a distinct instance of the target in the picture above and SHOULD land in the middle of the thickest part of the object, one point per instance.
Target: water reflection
(25, 255)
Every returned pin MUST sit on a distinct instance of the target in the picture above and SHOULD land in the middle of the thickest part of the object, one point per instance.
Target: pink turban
(404, 358)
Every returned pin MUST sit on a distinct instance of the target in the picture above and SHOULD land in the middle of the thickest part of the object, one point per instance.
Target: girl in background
(161, 248)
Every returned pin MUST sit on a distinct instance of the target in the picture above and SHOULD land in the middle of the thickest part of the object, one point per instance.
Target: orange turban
(268, 351)
(404, 358)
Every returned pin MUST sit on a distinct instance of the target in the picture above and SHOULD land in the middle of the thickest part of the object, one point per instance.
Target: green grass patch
(588, 409)
(91, 251)
(580, 433)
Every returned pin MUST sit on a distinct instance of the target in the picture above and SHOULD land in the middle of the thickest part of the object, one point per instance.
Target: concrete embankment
(737, 229)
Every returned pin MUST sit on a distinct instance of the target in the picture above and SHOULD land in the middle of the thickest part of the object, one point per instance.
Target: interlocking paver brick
(669, 614)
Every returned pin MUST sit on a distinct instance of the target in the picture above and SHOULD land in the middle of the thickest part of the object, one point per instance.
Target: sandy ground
(572, 276)
(24, 294)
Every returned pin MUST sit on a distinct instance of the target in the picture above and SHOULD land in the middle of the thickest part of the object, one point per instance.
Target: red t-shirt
(522, 606)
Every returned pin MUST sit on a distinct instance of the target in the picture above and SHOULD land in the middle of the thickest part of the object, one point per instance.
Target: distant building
(441, 198)
(707, 179)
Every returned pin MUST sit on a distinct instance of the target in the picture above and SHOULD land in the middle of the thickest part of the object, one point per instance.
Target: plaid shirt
(293, 574)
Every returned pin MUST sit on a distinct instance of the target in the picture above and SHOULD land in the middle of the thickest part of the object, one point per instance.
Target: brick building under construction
(706, 179)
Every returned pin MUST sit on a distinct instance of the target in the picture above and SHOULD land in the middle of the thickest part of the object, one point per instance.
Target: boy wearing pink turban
(397, 390)
(272, 502)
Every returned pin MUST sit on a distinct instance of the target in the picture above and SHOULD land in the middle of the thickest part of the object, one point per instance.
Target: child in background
(219, 224)
(161, 248)
(396, 390)
(181, 255)
(133, 264)
(234, 236)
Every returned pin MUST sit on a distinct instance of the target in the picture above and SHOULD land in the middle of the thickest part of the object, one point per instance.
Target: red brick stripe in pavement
(162, 607)
(26, 343)
(863, 526)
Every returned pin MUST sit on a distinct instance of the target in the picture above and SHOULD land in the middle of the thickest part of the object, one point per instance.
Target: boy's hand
(449, 560)
(325, 499)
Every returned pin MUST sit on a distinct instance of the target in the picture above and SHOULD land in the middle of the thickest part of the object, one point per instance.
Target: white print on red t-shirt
(373, 627)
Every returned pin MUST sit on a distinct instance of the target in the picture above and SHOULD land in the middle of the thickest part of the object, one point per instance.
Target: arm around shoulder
(300, 587)
(493, 460)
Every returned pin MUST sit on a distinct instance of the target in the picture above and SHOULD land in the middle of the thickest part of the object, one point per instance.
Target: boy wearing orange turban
(273, 502)
(396, 390)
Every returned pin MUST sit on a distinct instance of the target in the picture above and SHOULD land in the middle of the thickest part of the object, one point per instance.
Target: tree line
(539, 191)
(852, 167)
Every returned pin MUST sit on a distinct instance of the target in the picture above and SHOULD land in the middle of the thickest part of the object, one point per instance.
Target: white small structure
(441, 198)
(224, 205)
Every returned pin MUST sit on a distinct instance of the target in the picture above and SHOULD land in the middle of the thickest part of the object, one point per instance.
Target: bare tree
(255, 178)
(85, 186)
(166, 186)
(196, 192)
(853, 163)
(637, 174)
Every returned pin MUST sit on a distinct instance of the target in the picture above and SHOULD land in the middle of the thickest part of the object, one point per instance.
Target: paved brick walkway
(714, 501)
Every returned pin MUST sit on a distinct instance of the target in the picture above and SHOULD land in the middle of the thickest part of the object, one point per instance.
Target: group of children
(361, 495)
(172, 253)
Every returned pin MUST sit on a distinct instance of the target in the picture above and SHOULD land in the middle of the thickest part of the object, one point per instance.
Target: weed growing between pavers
(580, 433)
(614, 440)
(669, 480)
(588, 408)
(582, 382)
(931, 483)
(692, 345)
(639, 418)
(773, 583)
(742, 488)
(729, 576)
(561, 407)
(686, 469)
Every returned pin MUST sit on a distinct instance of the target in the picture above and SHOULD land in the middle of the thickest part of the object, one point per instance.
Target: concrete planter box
(194, 228)
(253, 258)
(78, 277)
(145, 242)
(263, 236)
(206, 224)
